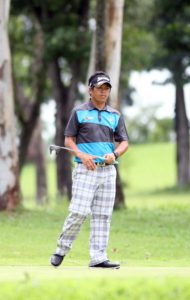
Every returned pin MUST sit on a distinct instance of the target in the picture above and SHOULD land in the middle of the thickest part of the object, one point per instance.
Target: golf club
(57, 149)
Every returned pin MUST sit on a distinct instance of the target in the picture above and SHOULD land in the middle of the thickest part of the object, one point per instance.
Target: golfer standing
(92, 129)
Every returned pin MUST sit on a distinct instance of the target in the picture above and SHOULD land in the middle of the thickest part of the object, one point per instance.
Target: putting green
(25, 273)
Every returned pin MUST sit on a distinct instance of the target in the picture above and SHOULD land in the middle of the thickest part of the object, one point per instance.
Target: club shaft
(55, 147)
(77, 151)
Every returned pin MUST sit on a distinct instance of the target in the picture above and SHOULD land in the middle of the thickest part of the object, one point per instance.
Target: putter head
(50, 149)
(53, 148)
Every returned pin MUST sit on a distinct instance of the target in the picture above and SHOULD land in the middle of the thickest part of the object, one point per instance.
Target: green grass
(149, 167)
(156, 236)
(98, 288)
(28, 183)
(150, 238)
(94, 285)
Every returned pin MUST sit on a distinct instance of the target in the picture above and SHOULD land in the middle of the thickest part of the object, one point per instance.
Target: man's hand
(109, 158)
(88, 161)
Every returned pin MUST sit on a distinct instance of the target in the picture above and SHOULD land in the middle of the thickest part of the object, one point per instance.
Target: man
(91, 132)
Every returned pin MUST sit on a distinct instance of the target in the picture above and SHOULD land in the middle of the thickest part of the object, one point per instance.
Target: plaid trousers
(93, 192)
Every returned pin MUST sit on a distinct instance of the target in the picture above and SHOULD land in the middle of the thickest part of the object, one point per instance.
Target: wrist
(116, 154)
(80, 155)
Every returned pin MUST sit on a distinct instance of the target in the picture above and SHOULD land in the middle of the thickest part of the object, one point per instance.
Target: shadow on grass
(172, 190)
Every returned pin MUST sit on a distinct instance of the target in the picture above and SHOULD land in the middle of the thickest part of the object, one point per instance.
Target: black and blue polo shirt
(96, 130)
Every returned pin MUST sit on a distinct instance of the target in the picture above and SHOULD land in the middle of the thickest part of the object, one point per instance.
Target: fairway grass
(46, 283)
(24, 273)
(150, 239)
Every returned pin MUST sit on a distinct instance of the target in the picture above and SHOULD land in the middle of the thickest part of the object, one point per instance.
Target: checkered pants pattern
(93, 193)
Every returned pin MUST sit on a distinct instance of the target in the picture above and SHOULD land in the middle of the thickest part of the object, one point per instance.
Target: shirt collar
(91, 107)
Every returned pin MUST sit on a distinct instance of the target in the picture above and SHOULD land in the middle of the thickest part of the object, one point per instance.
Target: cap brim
(103, 82)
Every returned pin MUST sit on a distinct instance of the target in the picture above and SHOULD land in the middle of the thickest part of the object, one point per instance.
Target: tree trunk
(120, 198)
(91, 66)
(113, 38)
(182, 138)
(65, 98)
(63, 108)
(100, 51)
(37, 147)
(109, 21)
(114, 26)
(26, 133)
(9, 186)
(28, 110)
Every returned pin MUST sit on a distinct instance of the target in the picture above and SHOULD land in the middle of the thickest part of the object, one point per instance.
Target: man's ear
(90, 91)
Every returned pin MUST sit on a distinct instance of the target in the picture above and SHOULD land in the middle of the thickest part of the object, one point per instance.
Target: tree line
(55, 45)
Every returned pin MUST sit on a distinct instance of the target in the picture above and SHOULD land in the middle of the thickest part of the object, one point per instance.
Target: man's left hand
(109, 158)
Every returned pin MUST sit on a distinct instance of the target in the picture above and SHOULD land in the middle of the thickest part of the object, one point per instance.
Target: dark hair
(95, 74)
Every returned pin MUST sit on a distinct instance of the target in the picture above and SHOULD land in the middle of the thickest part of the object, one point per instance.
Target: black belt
(99, 164)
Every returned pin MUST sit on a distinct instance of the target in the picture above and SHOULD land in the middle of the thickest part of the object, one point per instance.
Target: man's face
(101, 93)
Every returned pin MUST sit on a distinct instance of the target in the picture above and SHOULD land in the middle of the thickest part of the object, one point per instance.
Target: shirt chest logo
(88, 118)
(111, 120)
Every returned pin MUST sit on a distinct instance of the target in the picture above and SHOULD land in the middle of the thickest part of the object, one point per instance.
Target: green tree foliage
(139, 43)
(163, 130)
(145, 127)
(171, 26)
(21, 40)
(65, 34)
(66, 47)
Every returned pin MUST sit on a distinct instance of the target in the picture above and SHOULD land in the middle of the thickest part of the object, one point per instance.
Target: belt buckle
(99, 164)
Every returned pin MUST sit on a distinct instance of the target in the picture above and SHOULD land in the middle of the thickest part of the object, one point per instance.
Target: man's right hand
(88, 161)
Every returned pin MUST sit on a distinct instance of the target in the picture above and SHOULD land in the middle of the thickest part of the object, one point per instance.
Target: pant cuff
(97, 261)
(60, 251)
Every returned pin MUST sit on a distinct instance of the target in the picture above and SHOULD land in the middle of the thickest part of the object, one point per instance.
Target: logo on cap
(99, 80)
